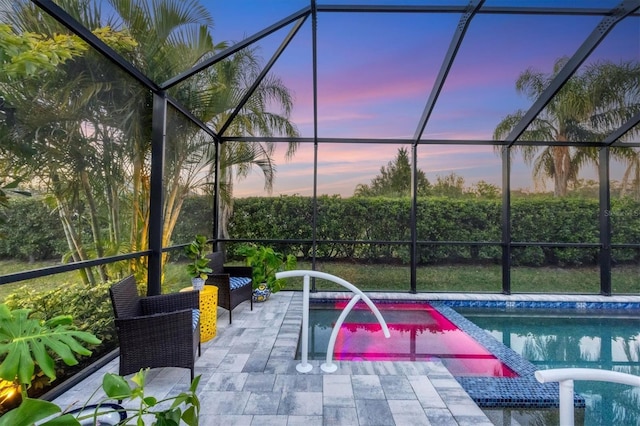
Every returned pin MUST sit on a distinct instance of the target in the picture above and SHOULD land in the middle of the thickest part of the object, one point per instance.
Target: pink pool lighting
(418, 333)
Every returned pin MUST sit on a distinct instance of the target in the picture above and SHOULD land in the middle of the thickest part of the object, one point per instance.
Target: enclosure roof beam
(462, 8)
(187, 112)
(263, 74)
(237, 47)
(593, 40)
(633, 121)
(489, 142)
(450, 56)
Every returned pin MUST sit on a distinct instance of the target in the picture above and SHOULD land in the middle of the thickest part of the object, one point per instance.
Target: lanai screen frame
(162, 101)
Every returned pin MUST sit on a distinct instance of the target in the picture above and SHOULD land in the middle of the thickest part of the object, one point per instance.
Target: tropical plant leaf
(190, 416)
(194, 384)
(151, 401)
(9, 367)
(42, 358)
(115, 386)
(25, 341)
(30, 411)
(59, 320)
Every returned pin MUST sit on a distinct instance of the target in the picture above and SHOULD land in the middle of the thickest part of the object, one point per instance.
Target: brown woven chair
(234, 282)
(155, 331)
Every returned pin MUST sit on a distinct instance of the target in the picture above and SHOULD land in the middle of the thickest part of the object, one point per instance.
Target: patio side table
(208, 311)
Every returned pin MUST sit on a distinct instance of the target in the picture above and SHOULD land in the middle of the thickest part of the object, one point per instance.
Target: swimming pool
(559, 338)
(509, 396)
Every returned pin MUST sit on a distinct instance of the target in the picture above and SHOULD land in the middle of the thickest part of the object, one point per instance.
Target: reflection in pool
(418, 332)
(560, 338)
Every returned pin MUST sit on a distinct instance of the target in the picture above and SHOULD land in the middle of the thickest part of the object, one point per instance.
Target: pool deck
(249, 375)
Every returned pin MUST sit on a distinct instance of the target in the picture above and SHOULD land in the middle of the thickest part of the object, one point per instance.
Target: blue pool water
(600, 339)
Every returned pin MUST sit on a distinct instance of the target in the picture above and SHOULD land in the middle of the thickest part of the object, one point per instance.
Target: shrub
(90, 308)
(31, 232)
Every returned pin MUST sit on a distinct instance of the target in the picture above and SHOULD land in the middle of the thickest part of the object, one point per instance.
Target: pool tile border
(516, 392)
(532, 304)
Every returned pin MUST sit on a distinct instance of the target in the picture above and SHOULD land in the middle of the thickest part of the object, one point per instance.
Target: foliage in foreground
(185, 407)
(27, 342)
(92, 314)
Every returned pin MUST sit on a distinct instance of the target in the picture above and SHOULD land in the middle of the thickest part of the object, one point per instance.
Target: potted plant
(198, 268)
(265, 262)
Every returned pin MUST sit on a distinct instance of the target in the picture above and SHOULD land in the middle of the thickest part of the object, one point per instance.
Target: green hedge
(196, 218)
(89, 306)
(33, 231)
(439, 219)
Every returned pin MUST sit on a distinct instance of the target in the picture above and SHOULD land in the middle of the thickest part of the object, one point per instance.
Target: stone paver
(249, 377)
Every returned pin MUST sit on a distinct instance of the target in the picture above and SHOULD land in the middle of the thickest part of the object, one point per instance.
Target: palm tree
(232, 78)
(160, 38)
(211, 95)
(53, 110)
(587, 108)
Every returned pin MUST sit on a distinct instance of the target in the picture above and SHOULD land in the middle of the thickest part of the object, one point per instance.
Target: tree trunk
(74, 243)
(139, 212)
(95, 224)
(562, 170)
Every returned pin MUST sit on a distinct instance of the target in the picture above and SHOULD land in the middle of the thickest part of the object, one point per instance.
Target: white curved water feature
(566, 377)
(328, 366)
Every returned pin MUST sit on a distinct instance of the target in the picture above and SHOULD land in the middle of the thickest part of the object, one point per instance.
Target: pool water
(418, 332)
(607, 340)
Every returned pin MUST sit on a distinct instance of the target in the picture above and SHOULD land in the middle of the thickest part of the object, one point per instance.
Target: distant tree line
(394, 180)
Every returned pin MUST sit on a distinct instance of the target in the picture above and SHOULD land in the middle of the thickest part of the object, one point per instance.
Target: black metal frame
(610, 18)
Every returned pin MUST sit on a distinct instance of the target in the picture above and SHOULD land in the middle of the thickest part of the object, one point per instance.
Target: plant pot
(197, 283)
(112, 414)
(261, 293)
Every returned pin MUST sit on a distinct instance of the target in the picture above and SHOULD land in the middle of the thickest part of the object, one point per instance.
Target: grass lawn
(39, 284)
(441, 278)
(473, 278)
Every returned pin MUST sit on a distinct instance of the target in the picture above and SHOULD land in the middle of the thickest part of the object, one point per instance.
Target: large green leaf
(26, 341)
(31, 411)
(115, 386)
(190, 416)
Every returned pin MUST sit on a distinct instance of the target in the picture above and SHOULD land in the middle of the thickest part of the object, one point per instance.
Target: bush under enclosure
(364, 229)
(448, 230)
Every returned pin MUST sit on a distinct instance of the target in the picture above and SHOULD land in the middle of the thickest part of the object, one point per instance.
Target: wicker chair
(233, 282)
(155, 331)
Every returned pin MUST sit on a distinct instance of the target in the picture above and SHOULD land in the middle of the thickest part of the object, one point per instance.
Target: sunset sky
(375, 73)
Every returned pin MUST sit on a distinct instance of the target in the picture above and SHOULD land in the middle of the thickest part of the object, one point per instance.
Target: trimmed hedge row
(32, 231)
(439, 219)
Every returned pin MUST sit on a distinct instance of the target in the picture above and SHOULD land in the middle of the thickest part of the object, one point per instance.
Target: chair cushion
(195, 317)
(237, 282)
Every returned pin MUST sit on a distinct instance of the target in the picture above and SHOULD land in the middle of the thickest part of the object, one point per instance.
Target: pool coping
(503, 392)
